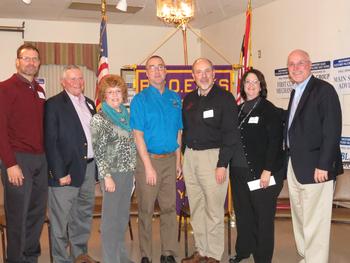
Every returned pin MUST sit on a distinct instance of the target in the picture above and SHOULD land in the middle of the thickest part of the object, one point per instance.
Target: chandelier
(175, 11)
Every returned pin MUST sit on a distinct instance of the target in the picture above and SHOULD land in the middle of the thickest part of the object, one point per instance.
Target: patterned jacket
(114, 148)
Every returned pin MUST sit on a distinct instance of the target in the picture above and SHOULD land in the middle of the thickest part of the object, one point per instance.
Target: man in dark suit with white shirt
(71, 167)
(313, 135)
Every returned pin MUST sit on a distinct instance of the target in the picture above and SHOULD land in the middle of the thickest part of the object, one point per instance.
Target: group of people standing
(65, 144)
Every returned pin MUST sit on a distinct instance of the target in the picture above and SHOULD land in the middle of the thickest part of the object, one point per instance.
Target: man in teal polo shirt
(157, 123)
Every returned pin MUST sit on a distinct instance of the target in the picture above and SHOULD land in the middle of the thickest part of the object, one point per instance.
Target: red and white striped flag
(103, 68)
(245, 59)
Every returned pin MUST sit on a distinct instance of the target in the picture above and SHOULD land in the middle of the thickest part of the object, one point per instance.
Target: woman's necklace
(240, 112)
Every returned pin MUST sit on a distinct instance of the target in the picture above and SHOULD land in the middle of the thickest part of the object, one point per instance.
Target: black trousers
(255, 213)
(25, 208)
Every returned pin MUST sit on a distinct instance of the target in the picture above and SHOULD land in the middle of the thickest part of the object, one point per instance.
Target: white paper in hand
(255, 185)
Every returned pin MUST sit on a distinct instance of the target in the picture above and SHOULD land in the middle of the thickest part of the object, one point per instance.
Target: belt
(160, 156)
(200, 149)
(89, 160)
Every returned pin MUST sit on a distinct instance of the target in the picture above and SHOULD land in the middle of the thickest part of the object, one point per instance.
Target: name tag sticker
(41, 95)
(254, 119)
(208, 114)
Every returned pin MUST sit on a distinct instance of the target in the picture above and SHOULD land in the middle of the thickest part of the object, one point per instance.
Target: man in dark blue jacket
(313, 134)
(71, 167)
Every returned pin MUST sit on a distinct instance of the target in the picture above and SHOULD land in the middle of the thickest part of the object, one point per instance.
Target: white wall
(126, 44)
(322, 27)
(9, 41)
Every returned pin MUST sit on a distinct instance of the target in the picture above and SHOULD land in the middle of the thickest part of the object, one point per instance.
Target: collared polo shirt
(158, 116)
(21, 118)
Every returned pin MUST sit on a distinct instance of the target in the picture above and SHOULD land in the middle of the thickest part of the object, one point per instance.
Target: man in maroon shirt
(23, 163)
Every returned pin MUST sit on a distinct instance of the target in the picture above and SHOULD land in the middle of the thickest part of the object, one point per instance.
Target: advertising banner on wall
(41, 82)
(284, 85)
(341, 75)
(345, 151)
(336, 72)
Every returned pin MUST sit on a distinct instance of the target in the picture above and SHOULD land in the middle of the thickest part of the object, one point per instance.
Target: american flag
(103, 68)
(245, 59)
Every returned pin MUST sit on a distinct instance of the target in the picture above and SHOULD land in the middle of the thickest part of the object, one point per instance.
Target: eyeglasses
(156, 67)
(29, 59)
(113, 92)
(252, 82)
(302, 63)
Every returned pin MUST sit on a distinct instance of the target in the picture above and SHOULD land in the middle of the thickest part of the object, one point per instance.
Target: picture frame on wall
(129, 77)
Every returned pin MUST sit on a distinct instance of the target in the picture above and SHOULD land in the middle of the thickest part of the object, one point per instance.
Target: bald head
(203, 74)
(299, 65)
(202, 60)
(299, 52)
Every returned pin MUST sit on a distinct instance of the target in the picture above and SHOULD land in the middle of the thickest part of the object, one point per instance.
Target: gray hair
(69, 67)
(152, 57)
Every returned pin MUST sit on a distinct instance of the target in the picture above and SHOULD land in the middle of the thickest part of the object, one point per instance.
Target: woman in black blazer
(261, 157)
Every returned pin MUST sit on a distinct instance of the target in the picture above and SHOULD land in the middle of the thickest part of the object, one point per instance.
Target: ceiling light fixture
(175, 11)
(122, 5)
(27, 2)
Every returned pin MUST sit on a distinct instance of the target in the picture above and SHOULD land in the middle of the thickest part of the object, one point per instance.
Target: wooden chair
(3, 235)
(98, 207)
(3, 227)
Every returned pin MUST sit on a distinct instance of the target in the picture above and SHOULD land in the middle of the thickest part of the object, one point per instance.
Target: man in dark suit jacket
(313, 135)
(71, 167)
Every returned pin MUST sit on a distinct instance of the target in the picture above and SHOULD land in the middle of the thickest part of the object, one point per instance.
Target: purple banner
(179, 78)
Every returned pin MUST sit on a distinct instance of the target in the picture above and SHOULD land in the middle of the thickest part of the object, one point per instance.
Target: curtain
(51, 74)
(68, 53)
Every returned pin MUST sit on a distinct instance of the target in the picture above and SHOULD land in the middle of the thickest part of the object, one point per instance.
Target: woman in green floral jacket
(115, 155)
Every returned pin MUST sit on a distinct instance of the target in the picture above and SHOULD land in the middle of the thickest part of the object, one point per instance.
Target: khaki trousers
(311, 206)
(165, 192)
(206, 199)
